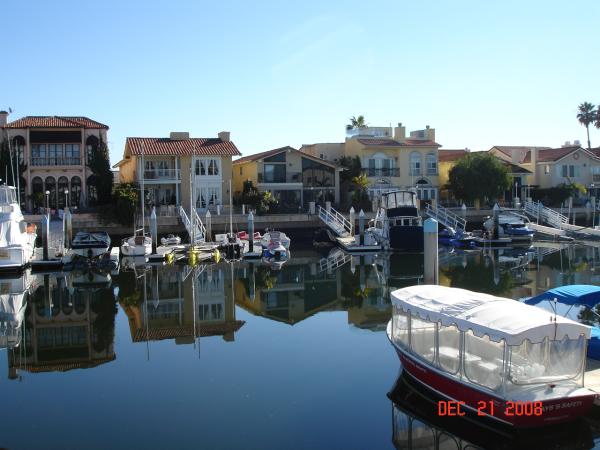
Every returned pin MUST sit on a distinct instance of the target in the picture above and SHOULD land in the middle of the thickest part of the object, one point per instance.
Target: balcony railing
(162, 174)
(415, 172)
(290, 177)
(55, 161)
(432, 171)
(382, 172)
(596, 177)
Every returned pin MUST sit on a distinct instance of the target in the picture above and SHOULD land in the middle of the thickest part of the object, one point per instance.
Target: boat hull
(15, 258)
(557, 410)
(406, 238)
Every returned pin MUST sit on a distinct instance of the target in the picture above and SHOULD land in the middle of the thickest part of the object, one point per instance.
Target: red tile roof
(393, 143)
(166, 146)
(508, 149)
(261, 155)
(552, 154)
(55, 122)
(451, 155)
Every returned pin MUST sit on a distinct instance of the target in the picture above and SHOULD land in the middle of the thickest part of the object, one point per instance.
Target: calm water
(237, 355)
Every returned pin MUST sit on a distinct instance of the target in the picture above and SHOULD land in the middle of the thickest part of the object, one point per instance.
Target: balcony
(432, 172)
(382, 172)
(160, 175)
(596, 177)
(290, 177)
(55, 161)
(415, 172)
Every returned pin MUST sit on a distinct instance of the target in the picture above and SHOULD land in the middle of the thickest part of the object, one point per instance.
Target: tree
(478, 175)
(260, 201)
(8, 165)
(586, 116)
(356, 122)
(360, 198)
(100, 166)
(597, 118)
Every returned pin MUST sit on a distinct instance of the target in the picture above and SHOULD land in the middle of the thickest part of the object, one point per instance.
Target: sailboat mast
(143, 195)
(192, 195)
(230, 211)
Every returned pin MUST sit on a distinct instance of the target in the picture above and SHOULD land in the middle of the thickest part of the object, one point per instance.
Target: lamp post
(593, 198)
(48, 203)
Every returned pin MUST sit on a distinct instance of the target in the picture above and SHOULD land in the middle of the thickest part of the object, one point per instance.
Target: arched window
(415, 163)
(91, 145)
(18, 146)
(92, 190)
(50, 186)
(75, 191)
(431, 164)
(37, 192)
(63, 185)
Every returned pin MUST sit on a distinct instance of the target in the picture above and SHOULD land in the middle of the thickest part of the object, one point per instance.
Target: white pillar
(430, 248)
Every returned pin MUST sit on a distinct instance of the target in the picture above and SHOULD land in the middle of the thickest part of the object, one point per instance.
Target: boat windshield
(399, 199)
(546, 361)
(7, 195)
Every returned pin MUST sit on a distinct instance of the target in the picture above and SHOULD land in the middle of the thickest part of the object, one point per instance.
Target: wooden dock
(350, 245)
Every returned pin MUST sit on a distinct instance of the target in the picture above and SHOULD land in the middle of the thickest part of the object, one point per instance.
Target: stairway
(199, 228)
(546, 215)
(336, 258)
(446, 218)
(336, 221)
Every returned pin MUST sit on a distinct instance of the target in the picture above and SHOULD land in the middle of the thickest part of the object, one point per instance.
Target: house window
(569, 171)
(415, 163)
(207, 166)
(547, 169)
(274, 173)
(91, 145)
(431, 164)
(241, 170)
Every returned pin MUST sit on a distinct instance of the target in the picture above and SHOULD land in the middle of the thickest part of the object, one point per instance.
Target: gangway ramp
(336, 221)
(446, 217)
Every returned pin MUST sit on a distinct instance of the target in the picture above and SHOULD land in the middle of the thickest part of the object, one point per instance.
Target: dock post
(243, 209)
(496, 213)
(352, 220)
(463, 211)
(45, 235)
(251, 232)
(218, 210)
(328, 206)
(208, 237)
(69, 228)
(588, 212)
(153, 229)
(361, 226)
(430, 248)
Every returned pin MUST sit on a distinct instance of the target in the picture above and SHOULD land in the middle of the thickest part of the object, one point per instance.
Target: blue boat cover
(573, 294)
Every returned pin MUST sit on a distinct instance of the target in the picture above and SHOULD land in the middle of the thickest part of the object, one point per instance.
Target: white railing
(543, 214)
(200, 230)
(333, 261)
(161, 174)
(446, 217)
(335, 220)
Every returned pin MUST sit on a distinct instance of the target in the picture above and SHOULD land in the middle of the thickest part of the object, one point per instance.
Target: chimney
(429, 133)
(567, 144)
(400, 132)
(3, 118)
(179, 136)
(577, 142)
(224, 136)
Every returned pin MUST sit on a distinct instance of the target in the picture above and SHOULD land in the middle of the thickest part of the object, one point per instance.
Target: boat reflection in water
(13, 302)
(417, 425)
(69, 324)
(178, 303)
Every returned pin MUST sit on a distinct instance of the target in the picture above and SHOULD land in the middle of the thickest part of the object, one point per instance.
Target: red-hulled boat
(502, 359)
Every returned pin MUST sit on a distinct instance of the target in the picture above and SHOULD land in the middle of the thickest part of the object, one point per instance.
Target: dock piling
(430, 247)
(496, 214)
(352, 220)
(153, 230)
(361, 226)
(45, 235)
(208, 237)
(251, 232)
(68, 218)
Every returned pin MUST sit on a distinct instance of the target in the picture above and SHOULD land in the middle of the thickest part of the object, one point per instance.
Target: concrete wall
(331, 151)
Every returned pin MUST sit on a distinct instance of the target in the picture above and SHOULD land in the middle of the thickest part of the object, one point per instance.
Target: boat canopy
(498, 318)
(399, 199)
(574, 294)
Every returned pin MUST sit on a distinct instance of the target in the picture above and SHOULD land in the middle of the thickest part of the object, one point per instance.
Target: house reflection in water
(69, 324)
(170, 303)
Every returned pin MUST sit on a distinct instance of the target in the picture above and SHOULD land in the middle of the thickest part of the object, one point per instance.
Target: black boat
(398, 224)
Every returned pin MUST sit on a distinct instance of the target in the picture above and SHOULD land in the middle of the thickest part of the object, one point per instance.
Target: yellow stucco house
(168, 163)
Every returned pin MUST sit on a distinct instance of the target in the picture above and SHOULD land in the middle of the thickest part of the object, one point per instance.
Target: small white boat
(170, 239)
(136, 246)
(90, 244)
(277, 258)
(17, 238)
(511, 226)
(514, 363)
(271, 238)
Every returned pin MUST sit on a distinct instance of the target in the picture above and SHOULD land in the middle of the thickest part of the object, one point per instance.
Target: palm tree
(587, 115)
(356, 122)
(597, 118)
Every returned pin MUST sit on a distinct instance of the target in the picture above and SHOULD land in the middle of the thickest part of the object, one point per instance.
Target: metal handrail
(331, 217)
(446, 217)
(546, 214)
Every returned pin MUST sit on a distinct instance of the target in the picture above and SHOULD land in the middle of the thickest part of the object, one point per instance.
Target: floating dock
(349, 244)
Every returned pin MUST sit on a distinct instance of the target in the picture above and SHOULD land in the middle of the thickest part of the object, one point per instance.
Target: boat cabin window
(546, 361)
(449, 348)
(400, 327)
(483, 360)
(7, 196)
(422, 337)
(399, 199)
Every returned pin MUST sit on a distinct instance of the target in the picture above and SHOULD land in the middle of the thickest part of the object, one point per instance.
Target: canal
(241, 355)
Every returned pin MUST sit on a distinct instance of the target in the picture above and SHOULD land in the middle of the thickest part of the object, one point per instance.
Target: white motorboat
(496, 356)
(17, 238)
(276, 256)
(271, 238)
(90, 244)
(136, 246)
(511, 226)
(170, 239)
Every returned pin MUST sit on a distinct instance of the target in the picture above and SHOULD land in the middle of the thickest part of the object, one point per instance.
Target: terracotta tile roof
(55, 122)
(451, 155)
(508, 149)
(515, 168)
(69, 365)
(553, 154)
(166, 146)
(261, 155)
(393, 143)
(206, 329)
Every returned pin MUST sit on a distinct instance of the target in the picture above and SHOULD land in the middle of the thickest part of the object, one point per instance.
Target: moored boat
(136, 246)
(511, 226)
(90, 244)
(170, 239)
(17, 238)
(509, 361)
(273, 238)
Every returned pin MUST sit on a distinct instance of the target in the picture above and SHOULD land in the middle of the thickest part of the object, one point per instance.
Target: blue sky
(288, 73)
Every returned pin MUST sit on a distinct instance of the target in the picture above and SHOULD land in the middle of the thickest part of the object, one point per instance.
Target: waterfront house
(168, 163)
(57, 152)
(293, 177)
(392, 160)
(447, 159)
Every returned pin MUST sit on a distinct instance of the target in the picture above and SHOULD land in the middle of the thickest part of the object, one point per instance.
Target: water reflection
(416, 425)
(68, 324)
